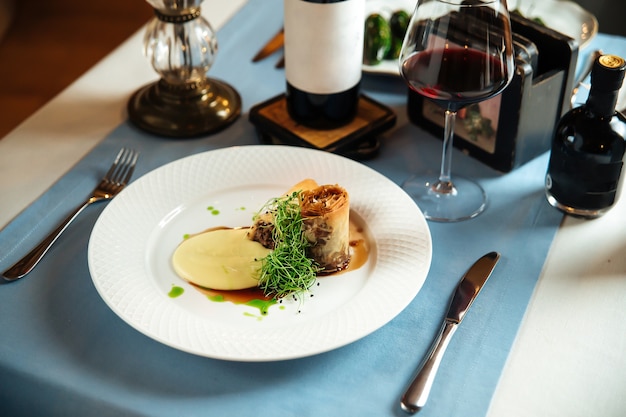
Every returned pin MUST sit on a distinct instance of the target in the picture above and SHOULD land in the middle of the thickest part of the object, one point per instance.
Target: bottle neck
(602, 103)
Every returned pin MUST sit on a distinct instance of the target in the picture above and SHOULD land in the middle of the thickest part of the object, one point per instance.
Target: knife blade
(271, 46)
(466, 291)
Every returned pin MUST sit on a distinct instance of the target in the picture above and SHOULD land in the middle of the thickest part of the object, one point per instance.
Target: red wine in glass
(455, 53)
(434, 75)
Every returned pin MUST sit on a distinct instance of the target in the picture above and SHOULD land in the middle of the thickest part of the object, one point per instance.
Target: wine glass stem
(445, 185)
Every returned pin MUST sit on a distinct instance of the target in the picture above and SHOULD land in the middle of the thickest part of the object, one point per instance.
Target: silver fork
(111, 184)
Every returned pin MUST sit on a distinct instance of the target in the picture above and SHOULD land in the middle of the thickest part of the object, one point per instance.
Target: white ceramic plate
(563, 16)
(134, 238)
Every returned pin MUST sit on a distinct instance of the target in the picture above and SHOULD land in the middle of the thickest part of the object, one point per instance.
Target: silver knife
(466, 291)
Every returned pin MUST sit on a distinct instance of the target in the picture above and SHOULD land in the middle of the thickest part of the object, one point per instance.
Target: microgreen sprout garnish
(287, 269)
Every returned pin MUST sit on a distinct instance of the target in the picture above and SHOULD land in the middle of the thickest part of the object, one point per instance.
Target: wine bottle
(323, 58)
(588, 149)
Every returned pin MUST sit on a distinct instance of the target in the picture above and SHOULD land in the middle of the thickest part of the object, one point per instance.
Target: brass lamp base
(183, 111)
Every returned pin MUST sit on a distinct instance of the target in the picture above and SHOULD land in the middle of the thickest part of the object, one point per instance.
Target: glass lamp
(181, 46)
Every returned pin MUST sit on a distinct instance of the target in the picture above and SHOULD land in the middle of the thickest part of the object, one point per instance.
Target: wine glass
(455, 53)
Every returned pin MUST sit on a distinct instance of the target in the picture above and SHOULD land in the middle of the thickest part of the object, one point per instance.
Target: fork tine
(123, 167)
(132, 161)
(109, 174)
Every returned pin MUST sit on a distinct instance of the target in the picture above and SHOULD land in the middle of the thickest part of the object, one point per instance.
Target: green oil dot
(186, 236)
(176, 291)
(262, 305)
(259, 318)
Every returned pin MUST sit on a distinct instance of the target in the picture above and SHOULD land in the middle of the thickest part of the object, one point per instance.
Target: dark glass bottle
(323, 58)
(588, 150)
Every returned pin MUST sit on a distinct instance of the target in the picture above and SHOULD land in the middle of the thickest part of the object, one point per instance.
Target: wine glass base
(466, 199)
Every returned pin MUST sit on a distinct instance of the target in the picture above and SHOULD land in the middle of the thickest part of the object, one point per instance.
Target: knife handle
(417, 393)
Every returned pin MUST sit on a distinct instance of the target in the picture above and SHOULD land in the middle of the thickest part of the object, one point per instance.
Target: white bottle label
(324, 45)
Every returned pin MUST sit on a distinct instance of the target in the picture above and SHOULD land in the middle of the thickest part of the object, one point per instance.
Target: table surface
(569, 357)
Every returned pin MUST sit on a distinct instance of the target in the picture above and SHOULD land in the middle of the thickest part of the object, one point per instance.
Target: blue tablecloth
(65, 353)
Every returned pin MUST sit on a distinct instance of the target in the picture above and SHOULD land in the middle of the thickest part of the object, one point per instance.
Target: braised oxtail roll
(325, 214)
(326, 222)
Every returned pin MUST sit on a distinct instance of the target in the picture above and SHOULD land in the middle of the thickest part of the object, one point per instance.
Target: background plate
(563, 16)
(134, 238)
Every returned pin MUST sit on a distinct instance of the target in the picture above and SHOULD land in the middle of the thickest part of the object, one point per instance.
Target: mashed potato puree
(222, 259)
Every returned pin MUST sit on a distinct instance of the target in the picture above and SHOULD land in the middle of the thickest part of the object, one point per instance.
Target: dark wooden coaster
(359, 139)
